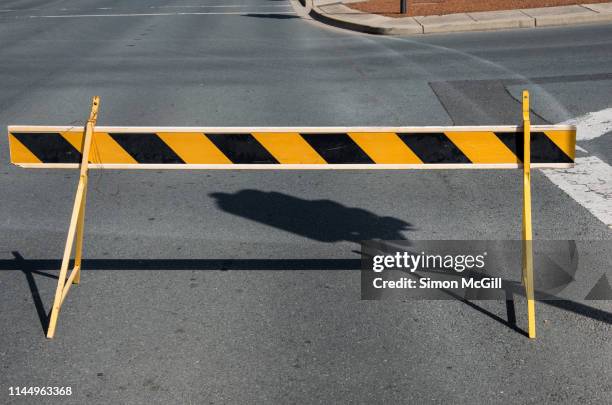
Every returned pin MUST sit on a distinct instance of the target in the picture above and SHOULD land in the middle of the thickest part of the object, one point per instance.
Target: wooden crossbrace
(77, 222)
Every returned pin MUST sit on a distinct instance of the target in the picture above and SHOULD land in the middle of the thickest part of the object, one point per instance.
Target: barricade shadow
(31, 267)
(510, 322)
(319, 220)
(39, 267)
(28, 269)
(514, 288)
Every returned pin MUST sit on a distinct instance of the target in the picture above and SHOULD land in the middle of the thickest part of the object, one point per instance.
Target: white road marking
(590, 182)
(156, 14)
(155, 7)
(592, 125)
(226, 6)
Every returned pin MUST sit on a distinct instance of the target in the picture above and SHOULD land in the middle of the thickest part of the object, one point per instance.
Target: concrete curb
(336, 13)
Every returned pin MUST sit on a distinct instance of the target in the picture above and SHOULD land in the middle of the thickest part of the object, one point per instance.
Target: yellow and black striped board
(293, 148)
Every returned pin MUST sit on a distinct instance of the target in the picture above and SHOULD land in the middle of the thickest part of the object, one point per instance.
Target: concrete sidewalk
(337, 13)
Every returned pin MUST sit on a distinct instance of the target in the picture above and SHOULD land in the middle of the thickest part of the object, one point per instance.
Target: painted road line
(589, 183)
(159, 7)
(226, 6)
(592, 125)
(156, 14)
(180, 7)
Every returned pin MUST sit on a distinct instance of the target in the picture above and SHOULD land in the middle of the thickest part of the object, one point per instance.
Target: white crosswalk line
(592, 125)
(590, 182)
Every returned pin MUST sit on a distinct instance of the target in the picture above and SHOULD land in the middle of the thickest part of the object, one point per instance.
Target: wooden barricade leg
(76, 226)
(79, 237)
(527, 275)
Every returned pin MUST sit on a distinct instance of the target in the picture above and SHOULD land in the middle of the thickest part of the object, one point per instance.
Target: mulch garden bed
(391, 8)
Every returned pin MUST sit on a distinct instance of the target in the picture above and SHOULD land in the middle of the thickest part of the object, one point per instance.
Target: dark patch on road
(488, 102)
(480, 102)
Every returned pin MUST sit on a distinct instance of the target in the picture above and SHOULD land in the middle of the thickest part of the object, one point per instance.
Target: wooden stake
(527, 231)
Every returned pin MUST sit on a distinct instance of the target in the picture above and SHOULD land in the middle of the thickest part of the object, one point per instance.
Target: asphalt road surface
(243, 287)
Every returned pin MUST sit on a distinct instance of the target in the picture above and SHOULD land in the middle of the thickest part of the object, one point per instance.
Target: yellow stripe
(565, 140)
(104, 149)
(482, 147)
(75, 138)
(193, 147)
(19, 153)
(384, 147)
(288, 147)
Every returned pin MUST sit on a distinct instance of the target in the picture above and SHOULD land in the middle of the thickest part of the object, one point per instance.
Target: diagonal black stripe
(337, 148)
(543, 149)
(49, 147)
(242, 148)
(514, 142)
(434, 148)
(146, 148)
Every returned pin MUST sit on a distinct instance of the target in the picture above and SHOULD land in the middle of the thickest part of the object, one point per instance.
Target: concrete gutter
(336, 13)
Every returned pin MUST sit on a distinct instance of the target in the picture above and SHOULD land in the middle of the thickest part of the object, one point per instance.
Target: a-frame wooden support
(77, 222)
